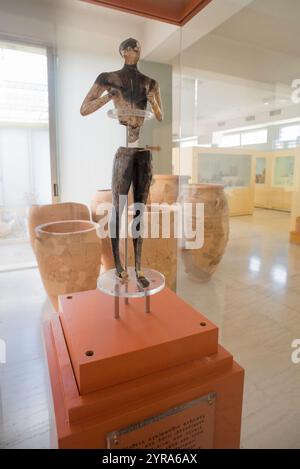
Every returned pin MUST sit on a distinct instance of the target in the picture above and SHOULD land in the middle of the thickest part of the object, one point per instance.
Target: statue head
(130, 50)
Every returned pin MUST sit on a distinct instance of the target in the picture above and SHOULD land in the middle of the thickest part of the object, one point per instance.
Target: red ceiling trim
(194, 7)
(192, 12)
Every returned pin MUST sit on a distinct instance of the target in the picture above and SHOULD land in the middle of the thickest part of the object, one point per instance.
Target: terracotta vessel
(298, 225)
(164, 188)
(100, 197)
(39, 214)
(203, 261)
(160, 252)
(68, 255)
(105, 197)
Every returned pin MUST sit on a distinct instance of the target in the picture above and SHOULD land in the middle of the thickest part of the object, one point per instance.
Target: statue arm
(154, 99)
(94, 99)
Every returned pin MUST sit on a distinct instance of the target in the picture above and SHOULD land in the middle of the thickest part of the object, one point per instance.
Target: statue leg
(121, 181)
(142, 176)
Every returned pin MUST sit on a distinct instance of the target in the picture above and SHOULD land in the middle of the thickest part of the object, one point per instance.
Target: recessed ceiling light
(266, 103)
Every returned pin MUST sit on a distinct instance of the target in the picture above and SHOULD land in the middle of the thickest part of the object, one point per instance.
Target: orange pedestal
(108, 374)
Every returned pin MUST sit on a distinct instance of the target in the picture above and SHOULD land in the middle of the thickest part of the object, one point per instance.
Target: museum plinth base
(157, 380)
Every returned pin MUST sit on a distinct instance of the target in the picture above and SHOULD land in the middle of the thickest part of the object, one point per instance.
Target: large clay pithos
(102, 197)
(165, 188)
(40, 214)
(68, 255)
(202, 262)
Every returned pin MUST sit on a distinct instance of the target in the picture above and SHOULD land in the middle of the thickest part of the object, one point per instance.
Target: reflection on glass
(284, 171)
(279, 274)
(260, 174)
(254, 264)
(226, 169)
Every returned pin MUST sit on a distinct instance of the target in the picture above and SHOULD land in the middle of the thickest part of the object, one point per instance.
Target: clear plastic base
(117, 113)
(109, 283)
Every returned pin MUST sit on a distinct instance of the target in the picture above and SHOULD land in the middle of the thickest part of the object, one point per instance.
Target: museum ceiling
(179, 13)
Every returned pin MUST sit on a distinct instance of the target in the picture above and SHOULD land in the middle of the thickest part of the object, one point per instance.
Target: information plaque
(190, 425)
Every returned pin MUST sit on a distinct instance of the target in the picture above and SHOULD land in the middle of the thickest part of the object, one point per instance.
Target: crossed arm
(94, 99)
(154, 99)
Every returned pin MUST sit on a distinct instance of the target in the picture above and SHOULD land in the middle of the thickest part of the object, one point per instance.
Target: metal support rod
(126, 230)
(147, 304)
(117, 303)
(126, 246)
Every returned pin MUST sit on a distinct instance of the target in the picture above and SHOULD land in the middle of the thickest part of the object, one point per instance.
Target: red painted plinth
(107, 373)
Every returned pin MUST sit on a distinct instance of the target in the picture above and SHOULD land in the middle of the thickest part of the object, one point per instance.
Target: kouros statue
(130, 92)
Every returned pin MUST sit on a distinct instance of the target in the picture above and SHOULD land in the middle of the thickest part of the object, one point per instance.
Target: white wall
(86, 144)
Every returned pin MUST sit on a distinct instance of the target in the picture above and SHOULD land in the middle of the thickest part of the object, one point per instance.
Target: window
(186, 143)
(289, 133)
(25, 160)
(23, 85)
(231, 140)
(255, 137)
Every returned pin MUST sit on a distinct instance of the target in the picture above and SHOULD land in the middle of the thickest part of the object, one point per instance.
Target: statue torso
(131, 88)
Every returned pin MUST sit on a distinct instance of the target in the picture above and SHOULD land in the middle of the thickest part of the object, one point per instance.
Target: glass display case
(224, 168)
(283, 174)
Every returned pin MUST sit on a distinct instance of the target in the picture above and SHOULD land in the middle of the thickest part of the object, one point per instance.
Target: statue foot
(141, 279)
(121, 274)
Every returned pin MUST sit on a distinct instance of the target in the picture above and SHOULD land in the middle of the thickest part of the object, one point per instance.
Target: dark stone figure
(130, 91)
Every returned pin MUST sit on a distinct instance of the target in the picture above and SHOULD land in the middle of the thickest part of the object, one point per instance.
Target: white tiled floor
(254, 297)
(15, 254)
(24, 419)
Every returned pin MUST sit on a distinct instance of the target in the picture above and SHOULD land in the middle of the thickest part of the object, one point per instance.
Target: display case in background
(282, 181)
(275, 179)
(233, 168)
(260, 170)
(251, 178)
(263, 172)
(283, 175)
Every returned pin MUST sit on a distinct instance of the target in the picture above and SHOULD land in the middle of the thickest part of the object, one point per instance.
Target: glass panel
(240, 89)
(284, 171)
(240, 92)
